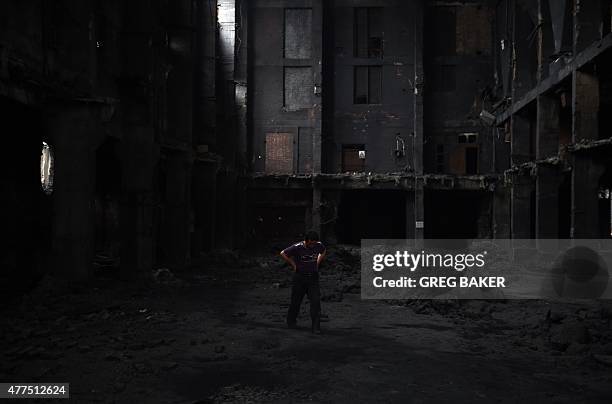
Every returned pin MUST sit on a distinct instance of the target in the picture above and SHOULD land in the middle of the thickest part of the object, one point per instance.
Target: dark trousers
(305, 284)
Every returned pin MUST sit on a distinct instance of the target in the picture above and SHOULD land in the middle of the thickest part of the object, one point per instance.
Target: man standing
(305, 258)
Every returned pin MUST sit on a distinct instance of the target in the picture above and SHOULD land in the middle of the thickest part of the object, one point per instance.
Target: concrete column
(547, 134)
(521, 207)
(587, 23)
(176, 232)
(139, 155)
(205, 101)
(316, 112)
(204, 197)
(586, 106)
(417, 153)
(586, 173)
(225, 209)
(548, 181)
(501, 212)
(520, 147)
(410, 227)
(241, 79)
(73, 133)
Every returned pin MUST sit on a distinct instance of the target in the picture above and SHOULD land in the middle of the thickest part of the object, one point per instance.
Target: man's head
(311, 237)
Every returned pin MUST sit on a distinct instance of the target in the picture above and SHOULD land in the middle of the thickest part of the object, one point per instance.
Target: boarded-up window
(368, 32)
(464, 160)
(298, 33)
(473, 31)
(352, 161)
(305, 150)
(298, 88)
(279, 153)
(367, 85)
(443, 79)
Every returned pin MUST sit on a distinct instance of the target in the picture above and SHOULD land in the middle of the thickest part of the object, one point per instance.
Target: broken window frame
(467, 138)
(358, 98)
(372, 48)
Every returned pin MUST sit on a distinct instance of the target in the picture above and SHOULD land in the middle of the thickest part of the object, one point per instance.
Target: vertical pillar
(178, 208)
(586, 106)
(204, 200)
(501, 212)
(548, 181)
(316, 112)
(588, 19)
(205, 66)
(71, 129)
(241, 79)
(417, 150)
(225, 209)
(548, 128)
(521, 207)
(520, 147)
(585, 200)
(410, 227)
(138, 159)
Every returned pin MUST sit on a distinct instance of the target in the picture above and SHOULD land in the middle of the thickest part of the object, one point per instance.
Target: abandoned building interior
(147, 134)
(171, 128)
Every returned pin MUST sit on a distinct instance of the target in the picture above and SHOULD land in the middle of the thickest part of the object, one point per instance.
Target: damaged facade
(177, 127)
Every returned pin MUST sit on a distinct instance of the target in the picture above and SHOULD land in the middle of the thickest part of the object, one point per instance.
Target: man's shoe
(292, 326)
(316, 329)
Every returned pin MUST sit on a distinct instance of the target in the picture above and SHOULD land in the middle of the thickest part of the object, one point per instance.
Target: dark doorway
(452, 214)
(471, 160)
(363, 214)
(25, 210)
(107, 205)
(352, 161)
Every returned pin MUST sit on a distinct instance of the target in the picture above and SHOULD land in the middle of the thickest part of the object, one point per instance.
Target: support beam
(548, 181)
(316, 112)
(139, 157)
(522, 207)
(72, 128)
(501, 212)
(586, 173)
(204, 196)
(175, 237)
(520, 147)
(417, 152)
(586, 106)
(548, 127)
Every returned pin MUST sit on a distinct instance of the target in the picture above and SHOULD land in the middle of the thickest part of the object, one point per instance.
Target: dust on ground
(215, 332)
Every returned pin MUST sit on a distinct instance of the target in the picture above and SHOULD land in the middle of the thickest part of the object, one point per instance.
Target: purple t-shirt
(305, 257)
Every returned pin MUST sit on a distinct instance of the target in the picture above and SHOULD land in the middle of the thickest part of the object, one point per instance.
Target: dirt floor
(216, 333)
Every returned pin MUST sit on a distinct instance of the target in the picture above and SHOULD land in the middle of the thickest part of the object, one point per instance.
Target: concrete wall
(458, 84)
(373, 125)
(114, 84)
